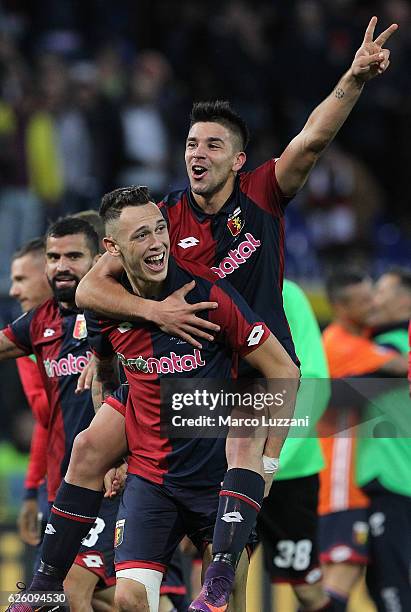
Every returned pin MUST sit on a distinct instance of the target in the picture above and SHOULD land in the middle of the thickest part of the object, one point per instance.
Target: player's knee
(88, 453)
(131, 597)
(138, 590)
(244, 452)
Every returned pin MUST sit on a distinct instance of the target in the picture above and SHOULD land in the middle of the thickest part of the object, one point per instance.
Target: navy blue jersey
(148, 355)
(243, 242)
(58, 338)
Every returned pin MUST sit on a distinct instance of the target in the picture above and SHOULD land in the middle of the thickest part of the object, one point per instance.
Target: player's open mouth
(156, 263)
(198, 172)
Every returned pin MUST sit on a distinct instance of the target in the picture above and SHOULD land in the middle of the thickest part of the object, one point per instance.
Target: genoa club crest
(235, 223)
(80, 328)
(119, 532)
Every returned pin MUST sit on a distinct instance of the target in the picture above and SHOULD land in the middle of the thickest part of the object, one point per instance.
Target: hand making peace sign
(371, 58)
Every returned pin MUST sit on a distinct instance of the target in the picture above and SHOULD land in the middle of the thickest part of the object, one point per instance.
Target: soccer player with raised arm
(231, 221)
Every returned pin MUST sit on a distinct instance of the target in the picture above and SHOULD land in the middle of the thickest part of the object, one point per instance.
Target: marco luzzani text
(261, 403)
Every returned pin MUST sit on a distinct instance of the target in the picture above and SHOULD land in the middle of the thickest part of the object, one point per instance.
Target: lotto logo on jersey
(165, 365)
(189, 242)
(255, 336)
(237, 256)
(80, 328)
(235, 224)
(66, 365)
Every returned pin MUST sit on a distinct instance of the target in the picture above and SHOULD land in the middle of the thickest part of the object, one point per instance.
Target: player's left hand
(86, 377)
(371, 58)
(115, 480)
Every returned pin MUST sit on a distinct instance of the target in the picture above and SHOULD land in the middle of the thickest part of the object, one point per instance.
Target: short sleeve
(19, 331)
(97, 335)
(261, 186)
(241, 329)
(118, 399)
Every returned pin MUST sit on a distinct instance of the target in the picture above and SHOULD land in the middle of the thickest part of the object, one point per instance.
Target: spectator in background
(147, 150)
(21, 215)
(341, 202)
(92, 217)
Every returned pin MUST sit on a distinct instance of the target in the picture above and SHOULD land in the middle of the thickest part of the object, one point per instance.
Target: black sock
(241, 497)
(72, 515)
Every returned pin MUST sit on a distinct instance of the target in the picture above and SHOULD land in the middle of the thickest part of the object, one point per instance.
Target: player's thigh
(103, 442)
(148, 528)
(287, 526)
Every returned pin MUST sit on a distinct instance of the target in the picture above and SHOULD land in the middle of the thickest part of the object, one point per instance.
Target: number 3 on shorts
(92, 536)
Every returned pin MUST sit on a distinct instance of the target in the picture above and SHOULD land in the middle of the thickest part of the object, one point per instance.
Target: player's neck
(68, 305)
(352, 327)
(212, 203)
(144, 289)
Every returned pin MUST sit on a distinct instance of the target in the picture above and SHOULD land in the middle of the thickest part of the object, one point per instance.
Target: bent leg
(97, 449)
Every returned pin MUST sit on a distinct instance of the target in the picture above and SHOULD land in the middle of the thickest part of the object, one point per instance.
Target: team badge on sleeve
(119, 532)
(80, 328)
(235, 223)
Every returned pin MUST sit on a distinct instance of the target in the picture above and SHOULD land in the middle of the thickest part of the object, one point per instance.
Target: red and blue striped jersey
(243, 242)
(149, 355)
(58, 339)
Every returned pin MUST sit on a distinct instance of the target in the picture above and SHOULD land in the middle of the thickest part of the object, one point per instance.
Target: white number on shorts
(92, 536)
(293, 554)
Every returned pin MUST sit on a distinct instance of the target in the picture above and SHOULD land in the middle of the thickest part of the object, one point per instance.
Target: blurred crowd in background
(96, 94)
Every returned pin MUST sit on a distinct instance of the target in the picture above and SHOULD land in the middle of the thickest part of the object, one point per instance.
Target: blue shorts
(388, 575)
(153, 519)
(96, 553)
(343, 536)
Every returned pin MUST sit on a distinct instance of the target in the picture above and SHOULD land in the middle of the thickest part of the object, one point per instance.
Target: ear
(111, 246)
(239, 161)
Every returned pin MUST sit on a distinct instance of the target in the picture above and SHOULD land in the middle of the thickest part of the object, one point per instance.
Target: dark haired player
(231, 221)
(56, 334)
(174, 485)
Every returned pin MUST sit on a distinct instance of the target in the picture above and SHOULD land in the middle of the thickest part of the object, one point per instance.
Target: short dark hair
(112, 203)
(403, 274)
(67, 226)
(220, 111)
(340, 279)
(34, 246)
(93, 217)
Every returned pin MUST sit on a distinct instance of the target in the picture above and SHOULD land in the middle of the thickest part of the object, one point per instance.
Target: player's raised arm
(296, 162)
(9, 350)
(101, 292)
